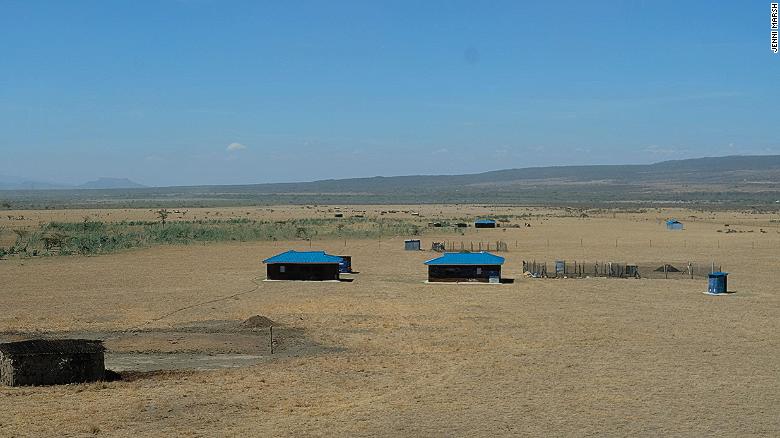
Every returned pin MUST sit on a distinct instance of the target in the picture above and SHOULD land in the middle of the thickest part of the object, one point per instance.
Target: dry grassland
(389, 355)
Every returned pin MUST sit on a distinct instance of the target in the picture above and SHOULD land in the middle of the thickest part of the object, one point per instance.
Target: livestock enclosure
(583, 269)
(51, 362)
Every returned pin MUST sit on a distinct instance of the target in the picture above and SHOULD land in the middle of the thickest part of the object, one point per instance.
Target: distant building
(412, 245)
(485, 223)
(304, 265)
(465, 266)
(51, 362)
(674, 224)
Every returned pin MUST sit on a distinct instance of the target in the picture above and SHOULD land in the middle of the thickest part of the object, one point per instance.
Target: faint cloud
(154, 157)
(235, 147)
(502, 152)
(441, 151)
(657, 150)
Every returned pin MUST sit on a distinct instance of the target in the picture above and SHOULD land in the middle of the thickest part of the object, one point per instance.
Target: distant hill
(111, 183)
(721, 170)
(715, 181)
(18, 183)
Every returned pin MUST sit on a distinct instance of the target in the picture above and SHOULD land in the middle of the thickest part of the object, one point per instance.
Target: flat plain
(390, 355)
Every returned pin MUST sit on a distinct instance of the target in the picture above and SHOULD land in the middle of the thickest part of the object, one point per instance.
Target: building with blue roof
(485, 223)
(303, 265)
(674, 224)
(465, 267)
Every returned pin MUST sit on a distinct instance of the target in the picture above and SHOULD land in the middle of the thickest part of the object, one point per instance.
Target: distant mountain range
(16, 183)
(720, 170)
(732, 180)
(111, 183)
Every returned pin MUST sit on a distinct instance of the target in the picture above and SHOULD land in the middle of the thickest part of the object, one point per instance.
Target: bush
(95, 237)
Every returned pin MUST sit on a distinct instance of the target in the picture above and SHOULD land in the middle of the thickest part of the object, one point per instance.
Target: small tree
(21, 234)
(56, 240)
(162, 214)
(22, 242)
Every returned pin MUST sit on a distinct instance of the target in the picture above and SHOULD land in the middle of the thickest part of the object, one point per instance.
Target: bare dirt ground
(390, 355)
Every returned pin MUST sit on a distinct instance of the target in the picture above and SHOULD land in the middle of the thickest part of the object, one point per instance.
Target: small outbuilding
(304, 265)
(674, 224)
(412, 245)
(51, 362)
(485, 223)
(465, 267)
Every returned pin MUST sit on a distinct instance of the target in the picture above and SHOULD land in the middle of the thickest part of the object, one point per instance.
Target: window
(281, 268)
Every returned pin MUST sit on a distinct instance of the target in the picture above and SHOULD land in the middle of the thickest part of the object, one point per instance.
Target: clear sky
(221, 92)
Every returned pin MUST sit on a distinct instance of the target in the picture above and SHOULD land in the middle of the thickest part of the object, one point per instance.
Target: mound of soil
(258, 321)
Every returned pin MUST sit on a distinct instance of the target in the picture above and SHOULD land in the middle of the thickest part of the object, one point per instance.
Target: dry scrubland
(395, 356)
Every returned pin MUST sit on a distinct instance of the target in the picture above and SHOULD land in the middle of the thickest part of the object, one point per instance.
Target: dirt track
(400, 357)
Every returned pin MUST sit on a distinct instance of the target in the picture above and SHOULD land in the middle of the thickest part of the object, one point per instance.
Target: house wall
(303, 271)
(479, 225)
(478, 273)
(51, 369)
(346, 264)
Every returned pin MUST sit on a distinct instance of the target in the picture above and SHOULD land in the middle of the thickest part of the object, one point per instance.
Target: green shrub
(95, 237)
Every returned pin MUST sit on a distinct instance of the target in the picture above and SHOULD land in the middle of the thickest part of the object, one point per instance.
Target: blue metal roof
(294, 257)
(673, 221)
(484, 221)
(467, 258)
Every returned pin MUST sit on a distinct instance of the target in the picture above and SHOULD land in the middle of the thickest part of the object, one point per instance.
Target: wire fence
(582, 269)
(470, 246)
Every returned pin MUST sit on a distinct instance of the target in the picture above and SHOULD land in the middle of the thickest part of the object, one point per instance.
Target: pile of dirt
(258, 321)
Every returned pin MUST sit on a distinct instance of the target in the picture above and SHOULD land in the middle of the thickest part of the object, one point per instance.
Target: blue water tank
(717, 282)
(673, 224)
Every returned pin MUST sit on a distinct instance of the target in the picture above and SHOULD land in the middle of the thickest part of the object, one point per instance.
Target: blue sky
(156, 91)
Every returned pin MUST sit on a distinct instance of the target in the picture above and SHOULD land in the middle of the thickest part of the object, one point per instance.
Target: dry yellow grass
(537, 357)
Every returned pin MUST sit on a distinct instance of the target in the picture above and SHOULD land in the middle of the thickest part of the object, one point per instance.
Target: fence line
(580, 269)
(470, 246)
